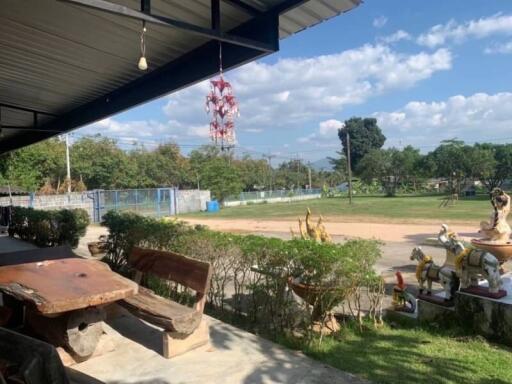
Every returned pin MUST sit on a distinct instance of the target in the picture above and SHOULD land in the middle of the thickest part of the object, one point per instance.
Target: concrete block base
(176, 344)
(430, 312)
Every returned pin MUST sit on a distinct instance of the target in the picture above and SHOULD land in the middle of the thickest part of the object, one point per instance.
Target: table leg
(77, 331)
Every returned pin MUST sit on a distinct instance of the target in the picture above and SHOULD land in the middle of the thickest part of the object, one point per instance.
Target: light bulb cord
(220, 58)
(142, 40)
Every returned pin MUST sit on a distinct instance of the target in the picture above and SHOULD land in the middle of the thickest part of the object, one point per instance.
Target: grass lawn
(413, 355)
(404, 209)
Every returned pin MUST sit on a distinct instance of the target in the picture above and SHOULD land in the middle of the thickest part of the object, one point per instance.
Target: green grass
(396, 208)
(413, 355)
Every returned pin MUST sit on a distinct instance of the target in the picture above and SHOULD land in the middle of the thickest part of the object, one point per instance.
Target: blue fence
(149, 202)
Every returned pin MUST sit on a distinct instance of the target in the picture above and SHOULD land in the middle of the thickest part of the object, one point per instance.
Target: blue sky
(427, 70)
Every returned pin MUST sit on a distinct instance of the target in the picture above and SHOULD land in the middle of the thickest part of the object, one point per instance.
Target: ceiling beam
(18, 108)
(215, 34)
(239, 4)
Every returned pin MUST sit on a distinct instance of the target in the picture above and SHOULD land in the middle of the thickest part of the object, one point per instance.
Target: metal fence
(277, 194)
(147, 202)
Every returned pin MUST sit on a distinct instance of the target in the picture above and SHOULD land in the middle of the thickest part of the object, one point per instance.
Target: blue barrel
(212, 206)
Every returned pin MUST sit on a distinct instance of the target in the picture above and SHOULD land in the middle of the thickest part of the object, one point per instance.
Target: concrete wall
(74, 200)
(186, 201)
(191, 200)
(273, 200)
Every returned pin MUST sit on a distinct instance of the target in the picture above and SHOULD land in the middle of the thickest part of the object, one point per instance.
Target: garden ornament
(497, 229)
(403, 301)
(472, 263)
(428, 271)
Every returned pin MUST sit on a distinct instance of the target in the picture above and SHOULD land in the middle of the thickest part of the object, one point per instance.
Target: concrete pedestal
(429, 312)
(489, 317)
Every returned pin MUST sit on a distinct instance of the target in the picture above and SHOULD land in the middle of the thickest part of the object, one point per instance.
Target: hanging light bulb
(143, 63)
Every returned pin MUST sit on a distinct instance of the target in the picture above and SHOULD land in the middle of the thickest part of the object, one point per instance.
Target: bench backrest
(172, 266)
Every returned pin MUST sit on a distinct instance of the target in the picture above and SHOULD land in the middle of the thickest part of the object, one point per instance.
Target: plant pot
(321, 298)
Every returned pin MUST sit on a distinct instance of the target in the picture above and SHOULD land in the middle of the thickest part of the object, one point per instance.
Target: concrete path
(8, 244)
(234, 357)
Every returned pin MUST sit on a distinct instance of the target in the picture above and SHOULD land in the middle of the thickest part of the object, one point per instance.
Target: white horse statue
(428, 271)
(471, 263)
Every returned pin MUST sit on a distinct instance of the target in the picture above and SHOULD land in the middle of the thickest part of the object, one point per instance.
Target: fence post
(116, 200)
(31, 200)
(158, 202)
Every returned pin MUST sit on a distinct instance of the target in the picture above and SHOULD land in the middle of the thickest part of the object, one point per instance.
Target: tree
(30, 167)
(391, 167)
(255, 174)
(459, 162)
(162, 167)
(365, 135)
(101, 164)
(216, 172)
(502, 169)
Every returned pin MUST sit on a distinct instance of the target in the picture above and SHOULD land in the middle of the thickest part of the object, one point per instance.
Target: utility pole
(269, 159)
(309, 174)
(349, 171)
(68, 176)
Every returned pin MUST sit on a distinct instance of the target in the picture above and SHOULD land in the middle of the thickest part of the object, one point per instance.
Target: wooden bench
(184, 327)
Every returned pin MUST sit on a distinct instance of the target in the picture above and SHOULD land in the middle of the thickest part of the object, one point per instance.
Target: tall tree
(365, 135)
(391, 167)
(101, 164)
(216, 172)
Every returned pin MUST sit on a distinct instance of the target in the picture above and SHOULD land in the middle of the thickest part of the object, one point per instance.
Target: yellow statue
(316, 232)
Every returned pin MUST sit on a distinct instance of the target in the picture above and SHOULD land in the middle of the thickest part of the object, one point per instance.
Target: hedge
(250, 279)
(49, 228)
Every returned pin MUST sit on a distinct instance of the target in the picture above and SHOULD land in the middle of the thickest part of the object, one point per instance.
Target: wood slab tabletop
(56, 286)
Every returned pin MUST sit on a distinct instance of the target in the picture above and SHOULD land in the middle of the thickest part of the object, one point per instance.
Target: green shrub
(49, 228)
(127, 229)
(250, 273)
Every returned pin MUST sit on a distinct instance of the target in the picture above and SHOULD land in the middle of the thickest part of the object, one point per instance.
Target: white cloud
(327, 131)
(395, 37)
(145, 131)
(303, 90)
(380, 21)
(477, 117)
(440, 34)
(499, 48)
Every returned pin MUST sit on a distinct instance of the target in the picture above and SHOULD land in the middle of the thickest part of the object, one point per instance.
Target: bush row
(251, 273)
(49, 228)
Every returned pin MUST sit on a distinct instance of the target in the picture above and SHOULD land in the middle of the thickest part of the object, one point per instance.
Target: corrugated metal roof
(56, 57)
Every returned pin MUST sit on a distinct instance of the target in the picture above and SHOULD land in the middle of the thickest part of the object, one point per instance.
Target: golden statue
(316, 232)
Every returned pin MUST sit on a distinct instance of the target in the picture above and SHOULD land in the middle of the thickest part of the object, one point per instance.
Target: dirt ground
(394, 232)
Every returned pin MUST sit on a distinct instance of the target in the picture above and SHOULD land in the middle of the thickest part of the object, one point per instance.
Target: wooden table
(64, 298)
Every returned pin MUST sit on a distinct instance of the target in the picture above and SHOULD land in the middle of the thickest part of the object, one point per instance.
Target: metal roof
(65, 64)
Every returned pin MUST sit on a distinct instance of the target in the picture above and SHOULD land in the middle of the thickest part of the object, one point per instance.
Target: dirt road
(409, 233)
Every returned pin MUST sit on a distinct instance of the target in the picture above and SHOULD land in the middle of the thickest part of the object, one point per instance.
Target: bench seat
(167, 314)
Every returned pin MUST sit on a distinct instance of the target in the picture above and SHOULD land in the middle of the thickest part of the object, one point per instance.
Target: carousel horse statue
(497, 229)
(471, 263)
(428, 271)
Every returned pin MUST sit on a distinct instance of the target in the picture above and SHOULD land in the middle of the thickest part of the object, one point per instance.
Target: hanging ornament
(223, 107)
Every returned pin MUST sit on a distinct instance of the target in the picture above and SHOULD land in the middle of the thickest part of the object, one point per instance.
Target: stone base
(176, 344)
(435, 299)
(488, 317)
(484, 292)
(105, 345)
(431, 312)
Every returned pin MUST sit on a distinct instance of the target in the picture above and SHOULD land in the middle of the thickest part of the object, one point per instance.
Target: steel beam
(33, 129)
(121, 10)
(244, 7)
(24, 109)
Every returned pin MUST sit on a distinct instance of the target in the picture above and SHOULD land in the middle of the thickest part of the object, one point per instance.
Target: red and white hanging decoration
(223, 106)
